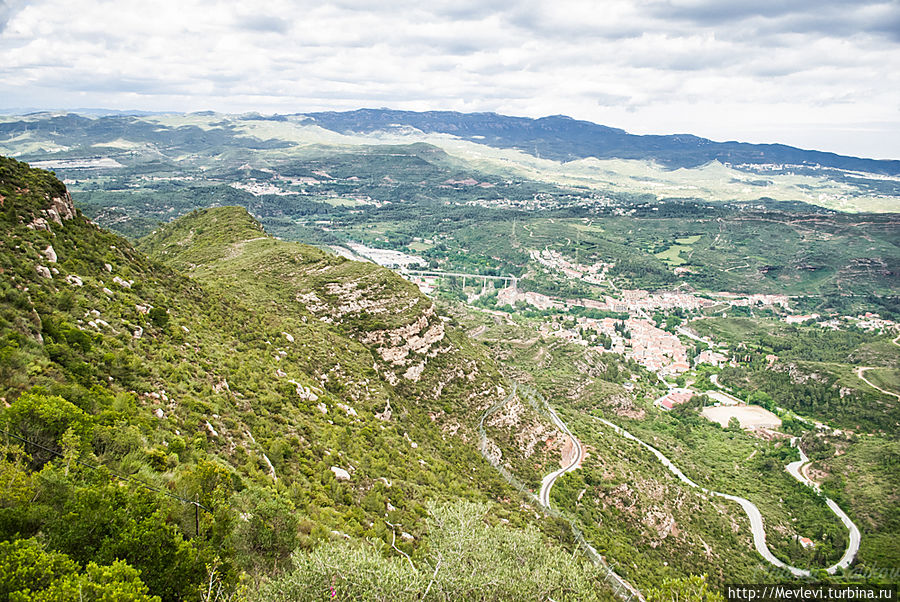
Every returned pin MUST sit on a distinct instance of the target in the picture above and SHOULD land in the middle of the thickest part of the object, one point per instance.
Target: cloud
(613, 100)
(701, 66)
(827, 17)
(263, 23)
(8, 9)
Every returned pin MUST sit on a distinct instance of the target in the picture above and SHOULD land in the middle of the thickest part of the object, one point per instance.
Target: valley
(358, 360)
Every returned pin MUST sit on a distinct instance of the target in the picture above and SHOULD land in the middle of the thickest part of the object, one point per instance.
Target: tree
(466, 560)
(159, 317)
(672, 322)
(102, 520)
(30, 573)
(116, 582)
(761, 398)
(688, 589)
(43, 420)
(268, 530)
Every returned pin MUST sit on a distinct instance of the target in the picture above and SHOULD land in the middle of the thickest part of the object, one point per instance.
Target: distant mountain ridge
(563, 138)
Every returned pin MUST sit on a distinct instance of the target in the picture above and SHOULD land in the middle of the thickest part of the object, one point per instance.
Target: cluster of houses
(652, 347)
(673, 398)
(592, 274)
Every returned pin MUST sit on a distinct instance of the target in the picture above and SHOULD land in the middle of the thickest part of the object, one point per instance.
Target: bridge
(507, 280)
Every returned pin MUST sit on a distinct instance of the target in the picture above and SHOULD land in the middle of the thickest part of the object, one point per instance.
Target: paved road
(548, 481)
(753, 513)
(621, 587)
(796, 471)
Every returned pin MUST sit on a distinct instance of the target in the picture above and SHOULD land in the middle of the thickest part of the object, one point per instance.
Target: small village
(644, 329)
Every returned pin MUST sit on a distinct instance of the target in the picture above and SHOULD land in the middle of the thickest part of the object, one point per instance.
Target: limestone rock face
(61, 208)
(58, 210)
(411, 345)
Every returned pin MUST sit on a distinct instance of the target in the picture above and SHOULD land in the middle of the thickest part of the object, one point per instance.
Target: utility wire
(121, 476)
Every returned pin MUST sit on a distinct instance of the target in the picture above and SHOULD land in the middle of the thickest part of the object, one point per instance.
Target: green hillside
(647, 521)
(217, 410)
(165, 434)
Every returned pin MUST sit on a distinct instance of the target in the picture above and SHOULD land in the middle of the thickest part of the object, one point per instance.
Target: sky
(821, 74)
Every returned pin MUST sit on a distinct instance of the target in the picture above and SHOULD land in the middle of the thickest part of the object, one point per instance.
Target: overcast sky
(821, 74)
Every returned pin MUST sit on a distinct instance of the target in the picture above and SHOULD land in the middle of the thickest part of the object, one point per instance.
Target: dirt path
(860, 373)
(477, 331)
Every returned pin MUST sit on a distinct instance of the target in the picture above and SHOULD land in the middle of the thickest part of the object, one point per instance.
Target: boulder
(340, 474)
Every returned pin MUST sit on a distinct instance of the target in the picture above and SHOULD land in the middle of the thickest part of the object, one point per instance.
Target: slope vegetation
(163, 432)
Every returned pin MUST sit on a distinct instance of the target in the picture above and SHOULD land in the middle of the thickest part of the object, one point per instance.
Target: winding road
(753, 513)
(622, 588)
(750, 509)
(795, 469)
(548, 481)
(860, 374)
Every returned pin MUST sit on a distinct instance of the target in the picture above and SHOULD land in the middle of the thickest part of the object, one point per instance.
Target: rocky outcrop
(59, 209)
(304, 392)
(624, 405)
(410, 346)
(340, 474)
(527, 431)
(338, 300)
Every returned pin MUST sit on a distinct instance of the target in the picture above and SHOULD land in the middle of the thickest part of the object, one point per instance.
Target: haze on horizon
(819, 75)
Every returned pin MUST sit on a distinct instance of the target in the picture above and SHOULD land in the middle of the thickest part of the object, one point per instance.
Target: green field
(689, 240)
(419, 246)
(672, 255)
(342, 202)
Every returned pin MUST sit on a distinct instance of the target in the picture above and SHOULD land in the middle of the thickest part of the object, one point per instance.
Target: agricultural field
(747, 416)
(672, 255)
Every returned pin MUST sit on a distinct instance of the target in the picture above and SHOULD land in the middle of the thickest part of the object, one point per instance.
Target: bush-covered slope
(202, 428)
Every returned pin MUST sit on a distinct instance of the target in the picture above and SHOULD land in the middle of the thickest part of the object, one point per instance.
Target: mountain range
(555, 137)
(562, 138)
